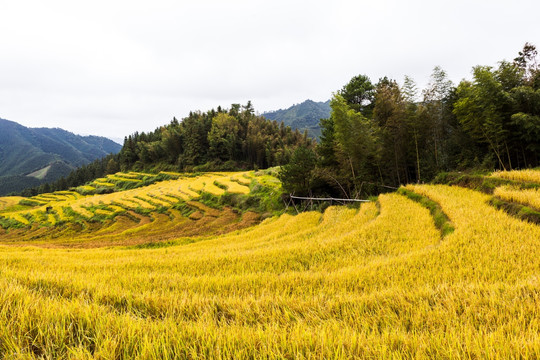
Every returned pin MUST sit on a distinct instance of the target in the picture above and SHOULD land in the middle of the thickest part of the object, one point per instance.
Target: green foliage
(325, 148)
(220, 185)
(390, 114)
(29, 203)
(356, 144)
(224, 137)
(263, 198)
(379, 137)
(479, 109)
(13, 184)
(112, 167)
(517, 210)
(528, 64)
(359, 94)
(156, 245)
(479, 181)
(501, 109)
(210, 200)
(297, 176)
(10, 223)
(397, 141)
(236, 139)
(184, 209)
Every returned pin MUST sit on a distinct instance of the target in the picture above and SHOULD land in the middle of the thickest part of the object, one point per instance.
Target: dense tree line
(219, 139)
(383, 135)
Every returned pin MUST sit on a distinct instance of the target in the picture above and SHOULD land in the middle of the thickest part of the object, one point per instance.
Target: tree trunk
(508, 154)
(396, 161)
(417, 158)
(524, 156)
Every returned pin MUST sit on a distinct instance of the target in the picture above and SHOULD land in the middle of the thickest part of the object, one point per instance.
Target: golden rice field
(378, 282)
(529, 197)
(66, 217)
(529, 175)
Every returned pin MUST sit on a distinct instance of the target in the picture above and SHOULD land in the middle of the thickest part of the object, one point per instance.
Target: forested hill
(304, 116)
(32, 156)
(219, 139)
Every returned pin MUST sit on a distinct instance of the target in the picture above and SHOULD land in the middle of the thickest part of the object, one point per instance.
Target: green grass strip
(480, 183)
(442, 222)
(519, 211)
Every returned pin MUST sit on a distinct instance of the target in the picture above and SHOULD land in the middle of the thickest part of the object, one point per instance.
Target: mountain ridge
(24, 151)
(303, 116)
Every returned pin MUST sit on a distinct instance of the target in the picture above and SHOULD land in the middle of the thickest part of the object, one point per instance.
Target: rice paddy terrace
(432, 271)
(169, 207)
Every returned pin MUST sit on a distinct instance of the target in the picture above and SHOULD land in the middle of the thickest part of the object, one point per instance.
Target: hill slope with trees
(32, 156)
(304, 116)
(219, 139)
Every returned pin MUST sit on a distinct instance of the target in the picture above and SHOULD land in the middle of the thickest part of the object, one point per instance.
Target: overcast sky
(114, 67)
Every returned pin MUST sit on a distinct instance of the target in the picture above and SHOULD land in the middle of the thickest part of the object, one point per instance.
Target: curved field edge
(442, 222)
(515, 192)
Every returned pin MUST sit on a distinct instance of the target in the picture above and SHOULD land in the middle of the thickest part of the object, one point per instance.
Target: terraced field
(146, 213)
(381, 281)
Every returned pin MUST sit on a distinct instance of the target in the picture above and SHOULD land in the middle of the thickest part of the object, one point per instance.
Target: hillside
(217, 140)
(432, 271)
(31, 156)
(135, 207)
(303, 116)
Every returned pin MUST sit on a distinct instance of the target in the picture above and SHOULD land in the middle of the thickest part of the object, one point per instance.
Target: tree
(195, 130)
(112, 167)
(480, 110)
(356, 144)
(389, 113)
(359, 93)
(326, 147)
(171, 138)
(437, 110)
(224, 138)
(527, 62)
(297, 176)
(525, 122)
(410, 94)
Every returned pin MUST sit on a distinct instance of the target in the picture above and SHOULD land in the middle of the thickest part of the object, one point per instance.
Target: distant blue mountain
(24, 151)
(304, 116)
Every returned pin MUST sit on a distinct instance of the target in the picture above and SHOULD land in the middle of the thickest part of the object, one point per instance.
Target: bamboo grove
(385, 134)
